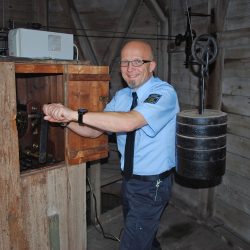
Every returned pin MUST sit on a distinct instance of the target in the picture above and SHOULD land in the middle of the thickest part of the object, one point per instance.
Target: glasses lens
(137, 63)
(124, 63)
(134, 63)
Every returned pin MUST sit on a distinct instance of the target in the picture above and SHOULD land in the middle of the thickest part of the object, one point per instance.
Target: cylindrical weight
(201, 144)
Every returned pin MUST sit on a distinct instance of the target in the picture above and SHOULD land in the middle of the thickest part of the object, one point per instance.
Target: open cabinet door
(86, 87)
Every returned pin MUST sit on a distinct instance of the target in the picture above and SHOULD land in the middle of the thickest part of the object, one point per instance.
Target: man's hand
(56, 112)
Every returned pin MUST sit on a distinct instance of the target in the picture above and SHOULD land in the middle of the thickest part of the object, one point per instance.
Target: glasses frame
(132, 63)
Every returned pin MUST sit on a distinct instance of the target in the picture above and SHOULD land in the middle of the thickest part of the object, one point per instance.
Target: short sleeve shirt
(154, 150)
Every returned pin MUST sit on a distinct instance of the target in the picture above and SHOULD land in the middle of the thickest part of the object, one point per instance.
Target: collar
(143, 88)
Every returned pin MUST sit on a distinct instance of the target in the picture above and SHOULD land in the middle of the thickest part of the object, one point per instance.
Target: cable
(128, 37)
(110, 31)
(77, 53)
(189, 20)
(134, 34)
(105, 235)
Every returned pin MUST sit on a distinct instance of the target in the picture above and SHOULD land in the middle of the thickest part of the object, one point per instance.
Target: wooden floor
(178, 231)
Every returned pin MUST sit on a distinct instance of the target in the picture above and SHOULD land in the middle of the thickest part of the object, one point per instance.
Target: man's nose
(130, 66)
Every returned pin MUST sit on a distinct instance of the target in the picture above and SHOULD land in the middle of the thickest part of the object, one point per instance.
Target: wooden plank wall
(232, 200)
(18, 12)
(100, 17)
(55, 196)
(229, 202)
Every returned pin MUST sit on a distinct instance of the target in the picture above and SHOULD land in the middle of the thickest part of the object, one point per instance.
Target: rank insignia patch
(153, 98)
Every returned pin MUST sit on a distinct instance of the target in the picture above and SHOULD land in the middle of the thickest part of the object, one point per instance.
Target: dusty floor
(178, 231)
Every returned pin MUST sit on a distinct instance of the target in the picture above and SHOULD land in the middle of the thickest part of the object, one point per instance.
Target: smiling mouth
(133, 76)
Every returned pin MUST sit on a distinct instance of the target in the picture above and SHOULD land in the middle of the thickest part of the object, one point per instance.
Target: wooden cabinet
(75, 86)
(45, 208)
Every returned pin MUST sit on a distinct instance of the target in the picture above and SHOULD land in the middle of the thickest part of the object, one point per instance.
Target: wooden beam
(38, 68)
(214, 93)
(214, 89)
(163, 58)
(79, 29)
(170, 33)
(125, 22)
(40, 12)
(220, 14)
(214, 86)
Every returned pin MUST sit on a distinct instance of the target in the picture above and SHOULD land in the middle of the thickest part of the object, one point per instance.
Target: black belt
(152, 177)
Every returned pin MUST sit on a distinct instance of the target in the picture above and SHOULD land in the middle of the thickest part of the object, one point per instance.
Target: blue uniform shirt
(154, 150)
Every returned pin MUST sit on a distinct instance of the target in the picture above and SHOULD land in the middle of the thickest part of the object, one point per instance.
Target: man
(145, 191)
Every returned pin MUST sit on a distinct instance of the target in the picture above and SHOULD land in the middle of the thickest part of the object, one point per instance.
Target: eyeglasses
(134, 63)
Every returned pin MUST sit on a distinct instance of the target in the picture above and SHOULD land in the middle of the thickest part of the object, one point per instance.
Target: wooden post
(11, 223)
(163, 59)
(95, 180)
(214, 93)
(214, 89)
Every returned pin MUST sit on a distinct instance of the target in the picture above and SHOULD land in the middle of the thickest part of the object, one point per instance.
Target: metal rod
(201, 91)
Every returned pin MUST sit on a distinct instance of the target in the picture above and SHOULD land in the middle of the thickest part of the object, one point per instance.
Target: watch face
(82, 111)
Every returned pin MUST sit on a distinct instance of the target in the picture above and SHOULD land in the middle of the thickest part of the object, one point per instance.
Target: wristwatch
(81, 112)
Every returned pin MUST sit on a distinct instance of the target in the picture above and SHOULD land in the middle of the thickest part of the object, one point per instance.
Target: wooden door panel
(91, 92)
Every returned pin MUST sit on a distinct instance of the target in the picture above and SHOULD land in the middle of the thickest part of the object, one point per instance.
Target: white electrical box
(40, 44)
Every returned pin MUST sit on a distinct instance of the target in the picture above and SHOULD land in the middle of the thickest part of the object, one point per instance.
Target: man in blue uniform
(145, 137)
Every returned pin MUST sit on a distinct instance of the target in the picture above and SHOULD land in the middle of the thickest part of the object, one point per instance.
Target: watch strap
(81, 112)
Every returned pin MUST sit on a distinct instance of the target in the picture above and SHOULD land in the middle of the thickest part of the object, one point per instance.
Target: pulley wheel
(204, 49)
(201, 144)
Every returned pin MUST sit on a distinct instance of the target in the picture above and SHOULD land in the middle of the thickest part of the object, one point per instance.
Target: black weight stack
(201, 147)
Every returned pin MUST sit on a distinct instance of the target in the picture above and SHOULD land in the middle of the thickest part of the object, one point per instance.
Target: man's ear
(152, 66)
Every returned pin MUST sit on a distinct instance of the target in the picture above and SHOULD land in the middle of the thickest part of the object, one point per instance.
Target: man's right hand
(56, 112)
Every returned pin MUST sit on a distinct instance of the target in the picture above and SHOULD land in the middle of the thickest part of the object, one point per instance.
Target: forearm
(84, 131)
(101, 121)
(113, 121)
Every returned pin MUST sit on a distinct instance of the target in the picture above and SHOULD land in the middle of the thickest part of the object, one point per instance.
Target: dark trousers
(143, 204)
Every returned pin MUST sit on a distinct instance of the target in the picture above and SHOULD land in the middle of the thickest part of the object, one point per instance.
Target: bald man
(143, 116)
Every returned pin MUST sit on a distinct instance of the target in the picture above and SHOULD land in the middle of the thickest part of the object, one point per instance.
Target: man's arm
(113, 121)
(85, 131)
(101, 121)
